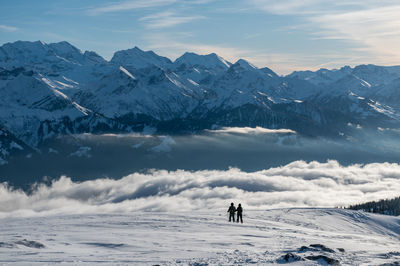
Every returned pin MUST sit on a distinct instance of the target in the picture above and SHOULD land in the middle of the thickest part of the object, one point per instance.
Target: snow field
(312, 236)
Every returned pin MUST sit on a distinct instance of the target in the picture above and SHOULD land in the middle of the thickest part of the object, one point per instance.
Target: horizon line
(202, 54)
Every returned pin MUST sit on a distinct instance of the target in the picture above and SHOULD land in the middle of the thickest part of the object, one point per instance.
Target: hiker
(239, 213)
(231, 211)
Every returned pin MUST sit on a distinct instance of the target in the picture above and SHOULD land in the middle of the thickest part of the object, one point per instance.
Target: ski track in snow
(201, 238)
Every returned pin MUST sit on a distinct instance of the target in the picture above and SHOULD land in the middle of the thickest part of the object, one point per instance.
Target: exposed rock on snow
(30, 244)
(289, 257)
(323, 259)
(316, 247)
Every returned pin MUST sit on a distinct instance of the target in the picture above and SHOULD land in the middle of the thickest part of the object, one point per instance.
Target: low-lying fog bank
(85, 157)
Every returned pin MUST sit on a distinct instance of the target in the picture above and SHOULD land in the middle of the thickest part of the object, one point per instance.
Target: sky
(283, 35)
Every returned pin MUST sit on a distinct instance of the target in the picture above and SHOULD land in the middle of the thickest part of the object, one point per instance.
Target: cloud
(375, 30)
(140, 4)
(370, 27)
(129, 5)
(167, 19)
(296, 184)
(317, 7)
(251, 130)
(284, 7)
(8, 28)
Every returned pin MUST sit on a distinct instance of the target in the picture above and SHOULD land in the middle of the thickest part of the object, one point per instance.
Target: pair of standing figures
(232, 211)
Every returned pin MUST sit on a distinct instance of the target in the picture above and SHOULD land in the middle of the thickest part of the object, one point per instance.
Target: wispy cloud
(167, 19)
(283, 7)
(8, 28)
(371, 27)
(316, 7)
(128, 5)
(376, 30)
(115, 30)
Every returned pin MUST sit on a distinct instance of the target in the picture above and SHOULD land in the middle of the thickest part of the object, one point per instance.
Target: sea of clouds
(297, 184)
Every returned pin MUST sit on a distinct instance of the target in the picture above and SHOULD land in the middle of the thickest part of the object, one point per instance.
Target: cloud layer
(128, 5)
(297, 184)
(8, 28)
(252, 130)
(166, 19)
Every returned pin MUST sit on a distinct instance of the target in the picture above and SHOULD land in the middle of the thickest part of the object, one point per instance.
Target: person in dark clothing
(231, 211)
(239, 213)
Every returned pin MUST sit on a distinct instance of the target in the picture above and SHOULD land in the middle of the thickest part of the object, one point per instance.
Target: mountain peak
(65, 47)
(67, 51)
(20, 52)
(137, 58)
(93, 57)
(25, 45)
(245, 65)
(269, 72)
(207, 61)
(137, 49)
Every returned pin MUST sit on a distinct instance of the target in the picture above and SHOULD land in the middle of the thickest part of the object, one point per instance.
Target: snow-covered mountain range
(48, 90)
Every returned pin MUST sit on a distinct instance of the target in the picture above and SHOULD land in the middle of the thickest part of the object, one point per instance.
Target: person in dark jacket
(231, 211)
(239, 213)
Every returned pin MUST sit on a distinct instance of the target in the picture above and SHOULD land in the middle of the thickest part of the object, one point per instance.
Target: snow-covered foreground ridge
(203, 237)
(297, 184)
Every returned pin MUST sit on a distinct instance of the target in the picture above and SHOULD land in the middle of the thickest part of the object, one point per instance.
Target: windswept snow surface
(312, 236)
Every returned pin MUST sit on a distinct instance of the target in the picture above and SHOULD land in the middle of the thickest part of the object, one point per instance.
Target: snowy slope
(152, 91)
(51, 58)
(10, 144)
(241, 83)
(364, 80)
(196, 67)
(302, 236)
(59, 84)
(42, 101)
(323, 76)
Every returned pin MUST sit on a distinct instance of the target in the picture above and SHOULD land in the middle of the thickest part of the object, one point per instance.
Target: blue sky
(281, 34)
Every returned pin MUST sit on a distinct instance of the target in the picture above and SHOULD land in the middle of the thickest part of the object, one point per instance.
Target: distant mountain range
(48, 90)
